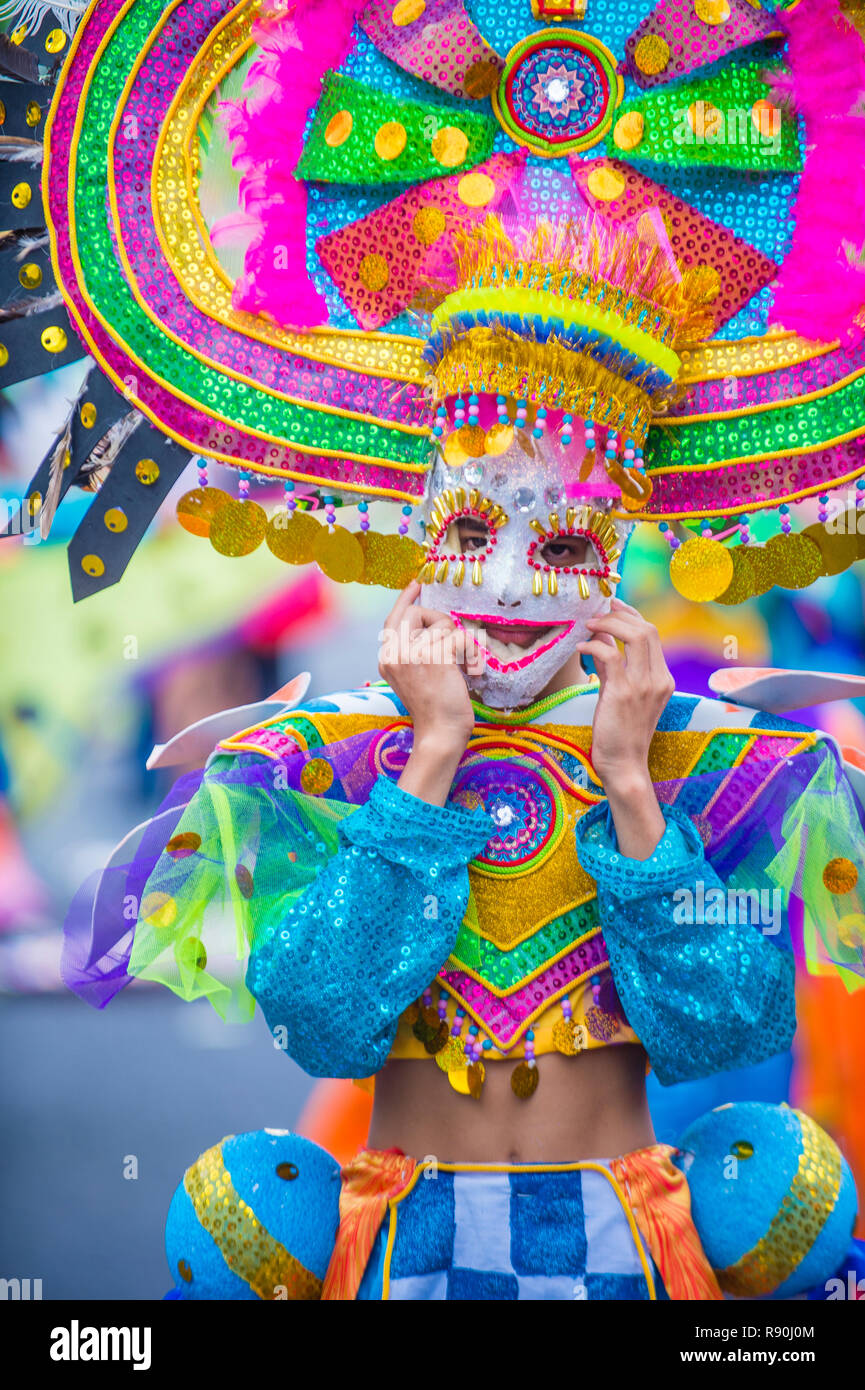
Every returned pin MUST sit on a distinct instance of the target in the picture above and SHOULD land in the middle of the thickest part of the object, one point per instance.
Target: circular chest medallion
(525, 806)
(557, 92)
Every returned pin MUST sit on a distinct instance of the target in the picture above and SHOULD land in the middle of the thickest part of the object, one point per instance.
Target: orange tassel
(368, 1184)
(657, 1193)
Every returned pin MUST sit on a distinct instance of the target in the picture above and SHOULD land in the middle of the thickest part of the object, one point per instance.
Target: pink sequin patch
(505, 1019)
(441, 46)
(692, 43)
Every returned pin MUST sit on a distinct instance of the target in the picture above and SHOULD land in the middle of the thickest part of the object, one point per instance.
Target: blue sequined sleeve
(338, 968)
(702, 997)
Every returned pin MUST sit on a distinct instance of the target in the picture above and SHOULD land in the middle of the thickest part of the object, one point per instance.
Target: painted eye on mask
(586, 545)
(462, 532)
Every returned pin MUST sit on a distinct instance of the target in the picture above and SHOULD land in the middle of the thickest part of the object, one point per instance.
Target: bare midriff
(590, 1106)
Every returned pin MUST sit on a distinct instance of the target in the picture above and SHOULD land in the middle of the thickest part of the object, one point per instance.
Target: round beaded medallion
(525, 806)
(557, 92)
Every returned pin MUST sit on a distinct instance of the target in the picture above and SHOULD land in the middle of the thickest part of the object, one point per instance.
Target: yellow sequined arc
(795, 1227)
(249, 1250)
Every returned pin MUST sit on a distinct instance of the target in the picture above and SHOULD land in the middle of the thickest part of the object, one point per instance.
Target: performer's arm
(367, 937)
(701, 997)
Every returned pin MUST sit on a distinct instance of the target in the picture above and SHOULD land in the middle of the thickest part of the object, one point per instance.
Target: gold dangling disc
(412, 1014)
(476, 1074)
(796, 559)
(292, 538)
(435, 1044)
(839, 547)
(460, 1081)
(741, 586)
(499, 439)
(196, 509)
(338, 554)
(524, 1080)
(238, 528)
(455, 455)
(391, 561)
(701, 569)
(452, 1057)
(426, 1025)
(564, 1037)
(472, 440)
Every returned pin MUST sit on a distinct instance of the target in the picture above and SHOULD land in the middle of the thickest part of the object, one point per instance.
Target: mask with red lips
(525, 637)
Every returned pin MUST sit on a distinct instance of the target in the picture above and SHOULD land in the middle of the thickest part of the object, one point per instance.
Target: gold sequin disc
(840, 875)
(565, 1037)
(628, 132)
(606, 183)
(476, 190)
(450, 146)
(428, 225)
(407, 11)
(438, 1040)
(338, 554)
(317, 776)
(391, 561)
(476, 1075)
(374, 272)
(238, 528)
(292, 538)
(481, 79)
(186, 843)
(472, 440)
(159, 909)
(455, 455)
(452, 1057)
(652, 54)
(390, 140)
(499, 439)
(701, 569)
(524, 1080)
(243, 879)
(712, 11)
(196, 509)
(851, 930)
(192, 954)
(338, 129)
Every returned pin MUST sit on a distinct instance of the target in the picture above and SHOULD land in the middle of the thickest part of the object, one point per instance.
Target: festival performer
(499, 884)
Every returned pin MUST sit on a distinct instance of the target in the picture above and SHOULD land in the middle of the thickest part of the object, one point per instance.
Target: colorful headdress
(353, 142)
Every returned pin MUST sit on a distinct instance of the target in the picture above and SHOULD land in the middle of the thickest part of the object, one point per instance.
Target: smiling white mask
(540, 579)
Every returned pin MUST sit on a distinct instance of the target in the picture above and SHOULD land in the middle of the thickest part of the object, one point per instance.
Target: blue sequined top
(337, 970)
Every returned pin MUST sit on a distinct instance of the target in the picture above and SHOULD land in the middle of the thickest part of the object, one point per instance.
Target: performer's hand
(423, 658)
(635, 687)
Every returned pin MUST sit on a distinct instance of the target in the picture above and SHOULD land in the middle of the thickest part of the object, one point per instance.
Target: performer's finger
(402, 605)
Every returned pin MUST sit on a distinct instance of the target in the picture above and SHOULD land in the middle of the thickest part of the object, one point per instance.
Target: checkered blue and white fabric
(513, 1234)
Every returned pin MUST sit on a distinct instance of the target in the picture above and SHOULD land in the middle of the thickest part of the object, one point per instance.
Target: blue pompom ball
(772, 1197)
(254, 1218)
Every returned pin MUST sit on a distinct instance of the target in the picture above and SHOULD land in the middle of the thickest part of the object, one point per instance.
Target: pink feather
(820, 291)
(266, 130)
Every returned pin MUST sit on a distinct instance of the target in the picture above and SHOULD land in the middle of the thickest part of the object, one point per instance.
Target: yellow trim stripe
(247, 1247)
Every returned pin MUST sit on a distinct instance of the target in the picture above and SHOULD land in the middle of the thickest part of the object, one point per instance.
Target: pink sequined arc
(691, 42)
(746, 486)
(506, 1018)
(442, 45)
